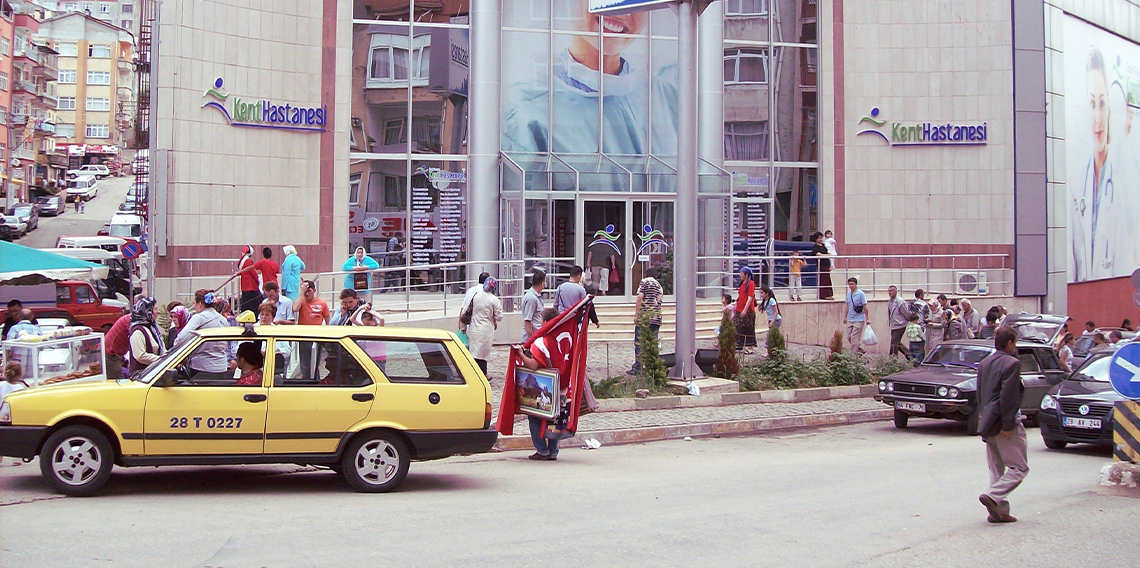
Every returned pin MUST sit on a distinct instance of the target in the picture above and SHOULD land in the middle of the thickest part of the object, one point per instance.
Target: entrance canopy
(551, 171)
(21, 265)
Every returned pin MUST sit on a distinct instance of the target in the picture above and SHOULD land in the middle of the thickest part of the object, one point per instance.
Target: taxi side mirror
(168, 378)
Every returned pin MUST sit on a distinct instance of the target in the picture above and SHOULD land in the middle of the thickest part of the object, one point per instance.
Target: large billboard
(1102, 103)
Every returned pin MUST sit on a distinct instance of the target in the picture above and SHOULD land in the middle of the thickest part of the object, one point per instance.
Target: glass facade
(589, 106)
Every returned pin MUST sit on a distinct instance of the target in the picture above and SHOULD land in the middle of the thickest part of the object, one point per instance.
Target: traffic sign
(1124, 371)
(131, 249)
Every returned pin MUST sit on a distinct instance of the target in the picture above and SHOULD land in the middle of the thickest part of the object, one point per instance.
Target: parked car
(98, 170)
(28, 213)
(104, 231)
(945, 384)
(52, 205)
(107, 243)
(1079, 410)
(334, 404)
(17, 227)
(6, 233)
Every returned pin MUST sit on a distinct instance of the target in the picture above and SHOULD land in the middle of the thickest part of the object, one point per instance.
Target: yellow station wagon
(364, 401)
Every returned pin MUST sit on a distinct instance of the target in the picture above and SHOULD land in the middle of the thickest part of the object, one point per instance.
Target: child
(917, 339)
(13, 379)
(727, 308)
(794, 267)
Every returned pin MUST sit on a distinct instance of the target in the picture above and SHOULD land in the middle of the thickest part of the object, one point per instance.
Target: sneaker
(633, 372)
(539, 457)
(552, 458)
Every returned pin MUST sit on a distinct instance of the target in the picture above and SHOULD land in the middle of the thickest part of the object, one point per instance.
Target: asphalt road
(857, 495)
(112, 192)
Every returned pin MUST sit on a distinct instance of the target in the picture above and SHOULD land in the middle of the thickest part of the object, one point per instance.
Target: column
(483, 167)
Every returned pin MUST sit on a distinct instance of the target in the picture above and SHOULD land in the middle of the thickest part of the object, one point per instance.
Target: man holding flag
(559, 344)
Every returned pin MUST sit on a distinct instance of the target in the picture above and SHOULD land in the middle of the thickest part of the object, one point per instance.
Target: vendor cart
(66, 356)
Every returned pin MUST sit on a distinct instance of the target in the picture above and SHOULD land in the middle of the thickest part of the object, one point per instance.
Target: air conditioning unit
(971, 283)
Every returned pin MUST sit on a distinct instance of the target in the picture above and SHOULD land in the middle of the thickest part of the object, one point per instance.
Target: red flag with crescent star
(559, 344)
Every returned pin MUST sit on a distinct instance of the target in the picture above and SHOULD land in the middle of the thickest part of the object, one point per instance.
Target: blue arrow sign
(1124, 371)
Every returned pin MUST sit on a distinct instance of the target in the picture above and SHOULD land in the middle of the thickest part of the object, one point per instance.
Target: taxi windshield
(174, 354)
(958, 355)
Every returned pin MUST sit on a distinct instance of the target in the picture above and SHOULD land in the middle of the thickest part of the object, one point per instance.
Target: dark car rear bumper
(1051, 429)
(440, 444)
(21, 441)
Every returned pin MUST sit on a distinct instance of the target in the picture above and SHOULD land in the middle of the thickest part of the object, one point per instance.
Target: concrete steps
(617, 321)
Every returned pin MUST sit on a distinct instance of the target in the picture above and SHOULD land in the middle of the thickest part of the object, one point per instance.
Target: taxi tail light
(487, 417)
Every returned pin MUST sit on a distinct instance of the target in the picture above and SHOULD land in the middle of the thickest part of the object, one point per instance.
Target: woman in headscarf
(145, 338)
(486, 313)
(291, 268)
(361, 266)
(179, 317)
(213, 356)
(746, 311)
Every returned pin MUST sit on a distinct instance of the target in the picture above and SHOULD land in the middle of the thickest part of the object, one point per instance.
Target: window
(1028, 362)
(394, 193)
(127, 24)
(5, 46)
(393, 131)
(69, 49)
(71, 6)
(99, 50)
(426, 133)
(66, 76)
(746, 65)
(385, 193)
(104, 8)
(746, 140)
(98, 77)
(411, 361)
(208, 364)
(390, 60)
(98, 131)
(745, 7)
(62, 295)
(65, 130)
(66, 103)
(354, 189)
(3, 81)
(86, 6)
(316, 364)
(84, 295)
(127, 9)
(96, 103)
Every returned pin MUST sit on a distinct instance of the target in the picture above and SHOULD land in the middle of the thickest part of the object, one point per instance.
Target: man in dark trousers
(999, 424)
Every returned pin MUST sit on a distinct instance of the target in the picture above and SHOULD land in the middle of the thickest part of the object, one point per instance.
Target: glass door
(653, 243)
(604, 240)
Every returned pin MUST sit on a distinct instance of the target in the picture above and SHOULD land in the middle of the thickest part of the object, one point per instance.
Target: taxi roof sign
(626, 6)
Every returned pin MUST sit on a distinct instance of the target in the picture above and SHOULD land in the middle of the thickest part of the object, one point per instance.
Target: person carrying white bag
(855, 316)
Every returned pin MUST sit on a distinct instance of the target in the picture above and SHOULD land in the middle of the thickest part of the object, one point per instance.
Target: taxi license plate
(911, 406)
(1090, 423)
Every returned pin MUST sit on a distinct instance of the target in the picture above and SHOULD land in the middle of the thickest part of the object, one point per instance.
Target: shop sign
(924, 133)
(626, 6)
(450, 67)
(264, 113)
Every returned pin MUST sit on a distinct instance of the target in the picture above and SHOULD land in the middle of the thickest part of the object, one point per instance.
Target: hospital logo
(263, 113)
(652, 237)
(607, 237)
(922, 133)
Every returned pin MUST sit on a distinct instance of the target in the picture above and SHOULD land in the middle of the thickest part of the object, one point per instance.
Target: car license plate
(1090, 423)
(911, 406)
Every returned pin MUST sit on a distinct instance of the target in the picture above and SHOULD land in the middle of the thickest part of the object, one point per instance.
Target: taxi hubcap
(76, 460)
(377, 461)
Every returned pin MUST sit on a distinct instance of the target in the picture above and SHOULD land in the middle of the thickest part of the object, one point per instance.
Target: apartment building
(95, 85)
(7, 27)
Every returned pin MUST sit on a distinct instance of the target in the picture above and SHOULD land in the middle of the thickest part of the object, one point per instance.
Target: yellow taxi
(364, 401)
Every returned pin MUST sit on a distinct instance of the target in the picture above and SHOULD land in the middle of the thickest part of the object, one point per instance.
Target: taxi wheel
(901, 418)
(376, 462)
(77, 460)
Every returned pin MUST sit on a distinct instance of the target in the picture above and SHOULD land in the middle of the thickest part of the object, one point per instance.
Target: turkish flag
(559, 344)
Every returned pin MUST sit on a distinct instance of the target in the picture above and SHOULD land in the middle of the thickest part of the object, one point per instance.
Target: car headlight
(943, 391)
(5, 413)
(1048, 403)
(890, 386)
(954, 392)
(882, 385)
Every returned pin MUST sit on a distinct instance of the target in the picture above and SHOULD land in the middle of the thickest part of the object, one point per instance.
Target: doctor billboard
(1102, 101)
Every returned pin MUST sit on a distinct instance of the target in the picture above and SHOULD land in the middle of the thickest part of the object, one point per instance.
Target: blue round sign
(131, 250)
(1124, 371)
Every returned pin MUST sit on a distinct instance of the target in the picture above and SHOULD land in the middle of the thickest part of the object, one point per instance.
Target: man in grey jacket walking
(999, 423)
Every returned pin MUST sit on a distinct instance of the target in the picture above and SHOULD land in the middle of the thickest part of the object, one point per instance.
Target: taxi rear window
(407, 361)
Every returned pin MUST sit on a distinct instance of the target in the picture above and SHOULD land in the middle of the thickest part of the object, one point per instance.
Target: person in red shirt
(268, 267)
(310, 310)
(116, 344)
(249, 360)
(250, 287)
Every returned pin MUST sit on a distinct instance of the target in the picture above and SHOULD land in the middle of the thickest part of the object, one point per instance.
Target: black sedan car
(1079, 410)
(945, 384)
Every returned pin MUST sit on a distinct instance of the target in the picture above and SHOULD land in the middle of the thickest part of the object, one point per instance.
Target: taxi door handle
(363, 397)
(255, 398)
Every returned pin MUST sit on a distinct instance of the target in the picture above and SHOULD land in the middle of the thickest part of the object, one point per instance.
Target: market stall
(66, 355)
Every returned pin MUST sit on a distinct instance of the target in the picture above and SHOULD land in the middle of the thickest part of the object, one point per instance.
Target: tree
(652, 367)
(727, 366)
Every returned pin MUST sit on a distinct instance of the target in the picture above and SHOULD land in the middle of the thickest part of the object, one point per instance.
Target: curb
(705, 429)
(729, 398)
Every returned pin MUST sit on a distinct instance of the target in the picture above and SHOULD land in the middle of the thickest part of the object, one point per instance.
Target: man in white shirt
(284, 314)
(532, 305)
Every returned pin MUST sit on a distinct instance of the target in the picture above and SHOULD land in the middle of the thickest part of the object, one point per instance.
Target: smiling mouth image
(612, 26)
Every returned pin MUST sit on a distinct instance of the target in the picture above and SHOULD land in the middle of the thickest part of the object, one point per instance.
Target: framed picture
(537, 392)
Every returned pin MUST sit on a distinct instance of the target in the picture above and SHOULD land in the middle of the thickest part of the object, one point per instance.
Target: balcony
(125, 66)
(46, 72)
(23, 152)
(45, 127)
(48, 100)
(19, 119)
(28, 52)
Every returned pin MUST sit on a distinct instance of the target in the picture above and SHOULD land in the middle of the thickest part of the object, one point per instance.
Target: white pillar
(483, 168)
(685, 241)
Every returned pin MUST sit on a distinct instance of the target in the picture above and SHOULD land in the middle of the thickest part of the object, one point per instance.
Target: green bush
(727, 365)
(652, 367)
(889, 365)
(837, 369)
(848, 369)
